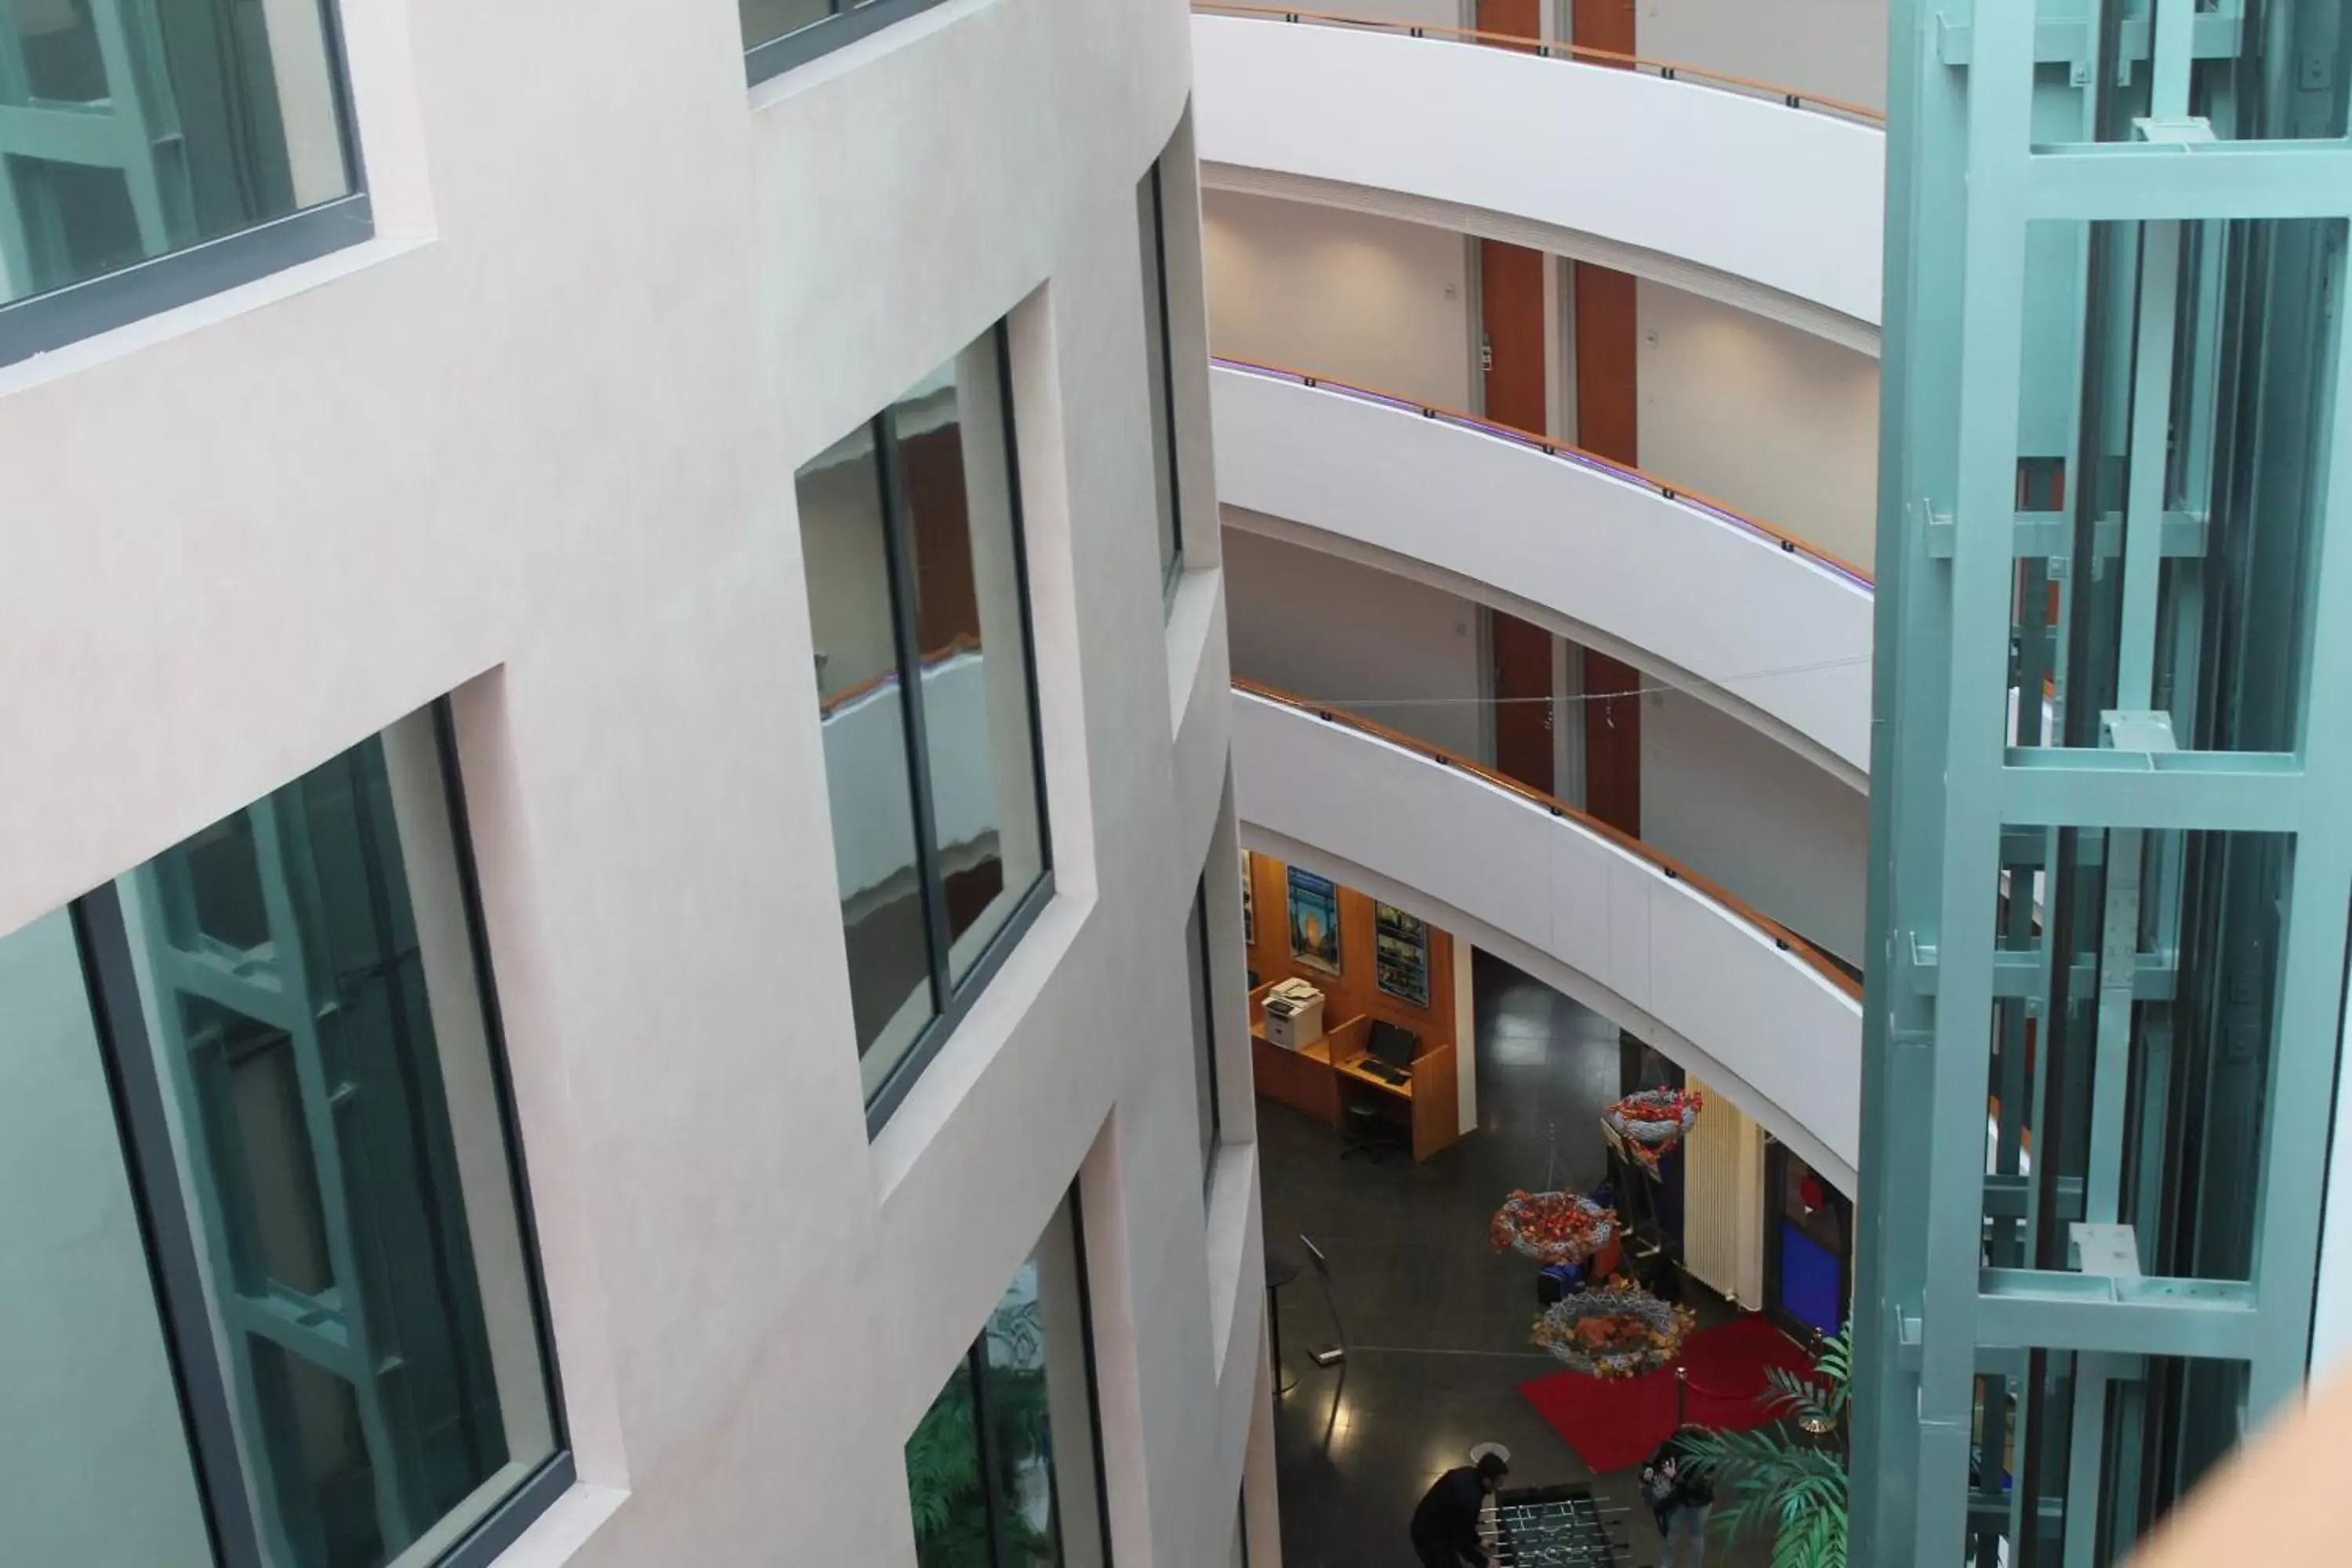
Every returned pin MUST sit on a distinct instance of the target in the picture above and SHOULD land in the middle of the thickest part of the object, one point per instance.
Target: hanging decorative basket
(1618, 1329)
(1652, 1123)
(1552, 1227)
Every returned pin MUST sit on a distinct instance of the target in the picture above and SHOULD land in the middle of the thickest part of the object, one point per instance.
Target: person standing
(1680, 1499)
(1446, 1525)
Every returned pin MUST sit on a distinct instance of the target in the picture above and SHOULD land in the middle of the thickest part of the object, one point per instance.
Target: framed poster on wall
(1400, 955)
(1314, 920)
(1249, 905)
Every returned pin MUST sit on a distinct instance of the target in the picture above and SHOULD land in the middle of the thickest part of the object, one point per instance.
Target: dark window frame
(952, 998)
(975, 1366)
(1205, 1000)
(54, 319)
(847, 24)
(1173, 568)
(160, 1197)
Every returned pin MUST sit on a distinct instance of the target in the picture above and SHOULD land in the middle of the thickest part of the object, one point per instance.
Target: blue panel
(1811, 1289)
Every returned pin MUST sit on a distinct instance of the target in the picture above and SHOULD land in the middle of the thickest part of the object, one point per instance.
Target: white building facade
(450, 1118)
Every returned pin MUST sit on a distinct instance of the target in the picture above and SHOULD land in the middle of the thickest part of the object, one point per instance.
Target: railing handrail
(830, 703)
(1673, 70)
(1568, 451)
(1782, 937)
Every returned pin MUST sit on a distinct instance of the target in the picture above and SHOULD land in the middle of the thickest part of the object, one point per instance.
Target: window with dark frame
(918, 610)
(780, 34)
(1204, 1029)
(146, 163)
(998, 1475)
(279, 1041)
(1160, 360)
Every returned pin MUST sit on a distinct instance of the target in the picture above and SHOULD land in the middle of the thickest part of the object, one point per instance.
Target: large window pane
(1002, 1470)
(94, 1463)
(845, 547)
(1158, 360)
(954, 450)
(316, 1034)
(918, 611)
(130, 132)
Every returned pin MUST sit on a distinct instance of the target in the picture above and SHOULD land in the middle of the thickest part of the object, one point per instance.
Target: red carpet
(1613, 1422)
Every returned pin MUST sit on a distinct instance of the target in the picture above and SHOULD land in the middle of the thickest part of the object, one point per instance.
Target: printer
(1294, 1015)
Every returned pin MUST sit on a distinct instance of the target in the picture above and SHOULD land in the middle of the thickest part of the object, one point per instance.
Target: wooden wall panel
(1523, 700)
(1613, 742)
(1352, 991)
(931, 465)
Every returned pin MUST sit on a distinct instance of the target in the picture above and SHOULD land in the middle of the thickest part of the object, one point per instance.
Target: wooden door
(1613, 742)
(1603, 24)
(1511, 312)
(1523, 700)
(1608, 408)
(1517, 19)
(1608, 422)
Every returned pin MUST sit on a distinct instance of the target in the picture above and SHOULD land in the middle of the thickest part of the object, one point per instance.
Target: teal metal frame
(2111, 870)
(189, 122)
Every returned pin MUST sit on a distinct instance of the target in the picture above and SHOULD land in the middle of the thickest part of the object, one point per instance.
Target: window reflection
(863, 710)
(1001, 1471)
(918, 603)
(307, 975)
(128, 132)
(97, 1466)
(952, 450)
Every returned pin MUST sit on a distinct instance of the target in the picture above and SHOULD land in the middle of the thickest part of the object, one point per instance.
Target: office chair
(1363, 1128)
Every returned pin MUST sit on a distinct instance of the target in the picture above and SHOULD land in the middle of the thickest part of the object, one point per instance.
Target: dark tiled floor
(1436, 1321)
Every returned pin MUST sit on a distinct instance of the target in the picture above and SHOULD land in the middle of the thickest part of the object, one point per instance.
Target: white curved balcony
(1659, 952)
(1753, 620)
(1755, 200)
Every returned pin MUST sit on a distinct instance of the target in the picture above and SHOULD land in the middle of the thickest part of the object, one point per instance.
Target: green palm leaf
(1774, 1478)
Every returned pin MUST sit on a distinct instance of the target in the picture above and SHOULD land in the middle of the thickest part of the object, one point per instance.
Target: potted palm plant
(1788, 1479)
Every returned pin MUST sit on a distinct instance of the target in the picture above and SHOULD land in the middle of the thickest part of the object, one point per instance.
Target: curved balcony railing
(1566, 452)
(1799, 949)
(1784, 216)
(1662, 952)
(1670, 70)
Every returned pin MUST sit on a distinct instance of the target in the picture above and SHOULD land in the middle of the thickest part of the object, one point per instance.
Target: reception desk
(1316, 1078)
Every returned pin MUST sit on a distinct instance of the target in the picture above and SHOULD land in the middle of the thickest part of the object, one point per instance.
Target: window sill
(565, 1529)
(46, 323)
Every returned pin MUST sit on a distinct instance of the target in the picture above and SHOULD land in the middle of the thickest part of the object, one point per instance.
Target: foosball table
(1553, 1526)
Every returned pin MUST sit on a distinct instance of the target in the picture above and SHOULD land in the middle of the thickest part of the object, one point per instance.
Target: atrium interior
(1043, 783)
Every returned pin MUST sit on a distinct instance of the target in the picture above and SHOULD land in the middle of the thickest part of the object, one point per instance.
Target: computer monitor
(1395, 1044)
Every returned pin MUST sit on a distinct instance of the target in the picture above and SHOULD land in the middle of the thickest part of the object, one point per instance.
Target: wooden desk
(1301, 1080)
(1309, 1079)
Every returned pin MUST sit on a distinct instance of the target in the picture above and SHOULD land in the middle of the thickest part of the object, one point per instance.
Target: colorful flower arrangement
(1552, 1227)
(1617, 1330)
(1652, 1123)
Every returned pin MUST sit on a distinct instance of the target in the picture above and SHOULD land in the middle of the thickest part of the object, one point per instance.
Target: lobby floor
(1437, 1321)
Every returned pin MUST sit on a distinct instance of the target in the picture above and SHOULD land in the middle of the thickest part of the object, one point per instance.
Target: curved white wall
(1645, 950)
(1693, 185)
(1780, 639)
